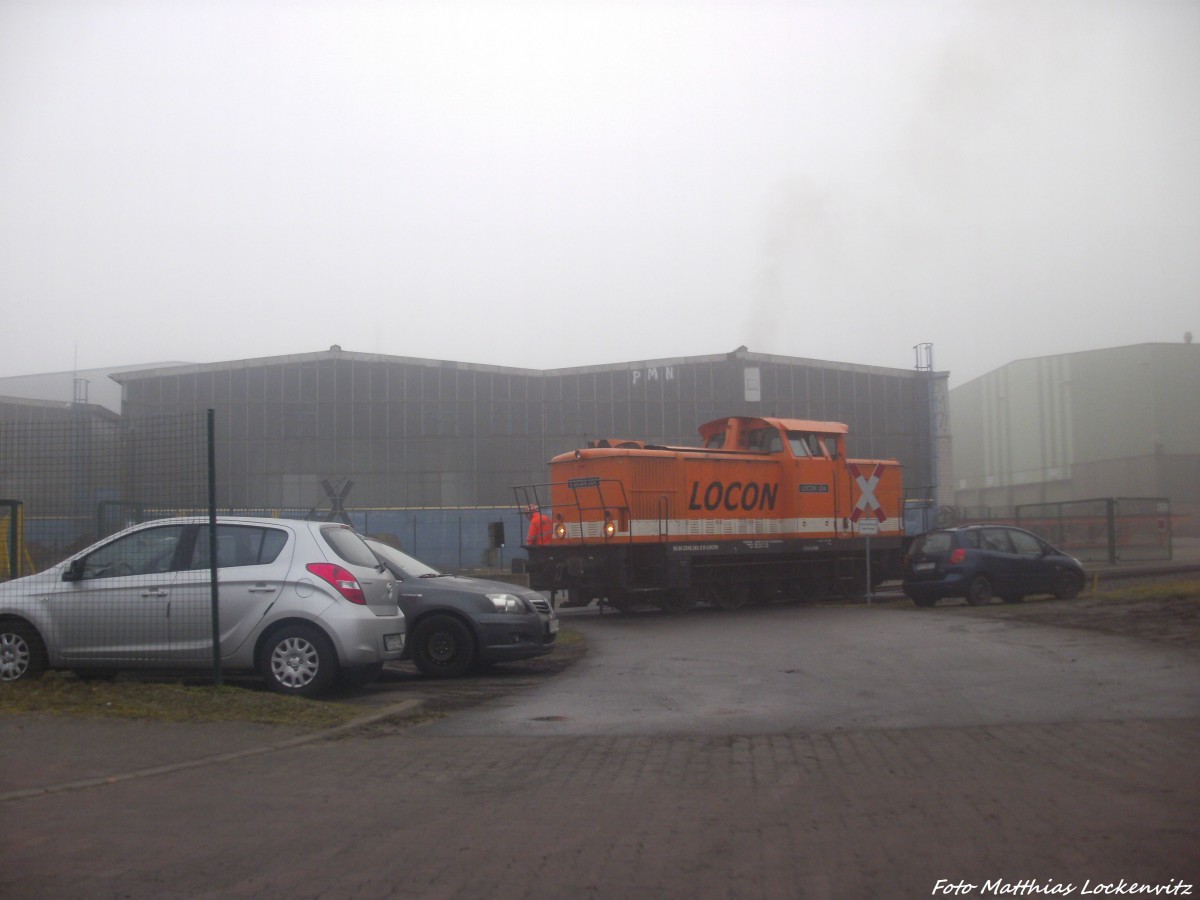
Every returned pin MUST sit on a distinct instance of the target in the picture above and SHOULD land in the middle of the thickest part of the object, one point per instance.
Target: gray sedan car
(457, 624)
(303, 603)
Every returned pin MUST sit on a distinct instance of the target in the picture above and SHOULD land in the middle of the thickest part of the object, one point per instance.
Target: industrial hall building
(399, 432)
(1117, 422)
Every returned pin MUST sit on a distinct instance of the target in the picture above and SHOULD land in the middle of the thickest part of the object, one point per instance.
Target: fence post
(13, 538)
(1111, 516)
(212, 546)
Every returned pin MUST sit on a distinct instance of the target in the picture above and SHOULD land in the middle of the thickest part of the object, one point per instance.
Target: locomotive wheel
(674, 601)
(622, 603)
(813, 586)
(731, 597)
(576, 598)
(853, 586)
(772, 593)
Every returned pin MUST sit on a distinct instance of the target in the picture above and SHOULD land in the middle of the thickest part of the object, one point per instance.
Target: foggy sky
(558, 184)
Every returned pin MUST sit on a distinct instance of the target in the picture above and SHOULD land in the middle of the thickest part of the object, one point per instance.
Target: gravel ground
(1170, 620)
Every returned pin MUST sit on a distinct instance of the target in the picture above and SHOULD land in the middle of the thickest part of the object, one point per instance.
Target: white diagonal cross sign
(868, 502)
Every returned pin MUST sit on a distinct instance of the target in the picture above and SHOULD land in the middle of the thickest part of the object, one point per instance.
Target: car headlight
(506, 603)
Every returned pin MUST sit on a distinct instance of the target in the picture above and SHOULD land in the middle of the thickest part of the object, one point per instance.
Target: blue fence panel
(448, 539)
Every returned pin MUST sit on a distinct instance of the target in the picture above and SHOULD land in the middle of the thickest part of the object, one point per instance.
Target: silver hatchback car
(303, 603)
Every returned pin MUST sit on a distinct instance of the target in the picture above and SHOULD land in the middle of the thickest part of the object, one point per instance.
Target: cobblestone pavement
(865, 814)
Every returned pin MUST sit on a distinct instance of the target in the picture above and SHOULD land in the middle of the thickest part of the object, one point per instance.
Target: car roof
(233, 520)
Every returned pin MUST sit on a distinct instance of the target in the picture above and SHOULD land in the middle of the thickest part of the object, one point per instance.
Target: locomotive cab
(754, 435)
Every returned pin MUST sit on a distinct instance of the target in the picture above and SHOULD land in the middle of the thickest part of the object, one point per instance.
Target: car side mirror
(74, 572)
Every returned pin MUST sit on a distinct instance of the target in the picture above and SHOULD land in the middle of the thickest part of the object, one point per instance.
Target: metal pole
(1111, 526)
(212, 547)
(868, 570)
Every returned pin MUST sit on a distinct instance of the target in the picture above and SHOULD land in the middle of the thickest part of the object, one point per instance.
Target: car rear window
(934, 542)
(349, 546)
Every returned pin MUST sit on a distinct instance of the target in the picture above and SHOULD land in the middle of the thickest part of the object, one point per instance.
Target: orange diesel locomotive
(766, 509)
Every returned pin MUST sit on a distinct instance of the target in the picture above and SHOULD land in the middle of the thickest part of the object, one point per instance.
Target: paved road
(803, 753)
(820, 669)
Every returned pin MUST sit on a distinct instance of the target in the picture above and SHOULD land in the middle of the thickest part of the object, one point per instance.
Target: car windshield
(409, 567)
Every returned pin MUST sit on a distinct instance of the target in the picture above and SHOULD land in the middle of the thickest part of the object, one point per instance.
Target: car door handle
(158, 593)
(263, 589)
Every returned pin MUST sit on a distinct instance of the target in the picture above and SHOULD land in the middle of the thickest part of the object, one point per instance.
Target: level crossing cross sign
(867, 503)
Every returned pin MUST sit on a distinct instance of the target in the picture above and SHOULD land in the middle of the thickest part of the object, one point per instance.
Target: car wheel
(299, 660)
(1013, 598)
(1067, 585)
(979, 591)
(442, 647)
(22, 653)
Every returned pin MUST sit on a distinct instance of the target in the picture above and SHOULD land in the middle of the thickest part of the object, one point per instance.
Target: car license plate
(924, 567)
(554, 626)
(393, 642)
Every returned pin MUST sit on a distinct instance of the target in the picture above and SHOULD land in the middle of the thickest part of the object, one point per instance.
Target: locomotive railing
(610, 504)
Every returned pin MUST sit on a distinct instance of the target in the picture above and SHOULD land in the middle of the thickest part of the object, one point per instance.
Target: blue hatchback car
(977, 562)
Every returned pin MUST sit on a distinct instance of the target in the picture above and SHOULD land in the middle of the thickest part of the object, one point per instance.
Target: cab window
(799, 443)
(805, 443)
(764, 440)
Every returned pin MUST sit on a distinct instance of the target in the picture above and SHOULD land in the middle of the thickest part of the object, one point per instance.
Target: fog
(551, 184)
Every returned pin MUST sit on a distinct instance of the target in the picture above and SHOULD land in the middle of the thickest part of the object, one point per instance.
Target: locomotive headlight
(560, 529)
(610, 527)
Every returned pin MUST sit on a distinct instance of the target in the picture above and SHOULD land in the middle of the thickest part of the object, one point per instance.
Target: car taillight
(958, 556)
(345, 583)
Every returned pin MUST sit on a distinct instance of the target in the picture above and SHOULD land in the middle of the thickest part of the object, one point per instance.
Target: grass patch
(1175, 589)
(189, 698)
(133, 697)
(569, 641)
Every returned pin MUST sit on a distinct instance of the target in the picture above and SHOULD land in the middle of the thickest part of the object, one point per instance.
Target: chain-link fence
(1112, 529)
(1106, 530)
(71, 480)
